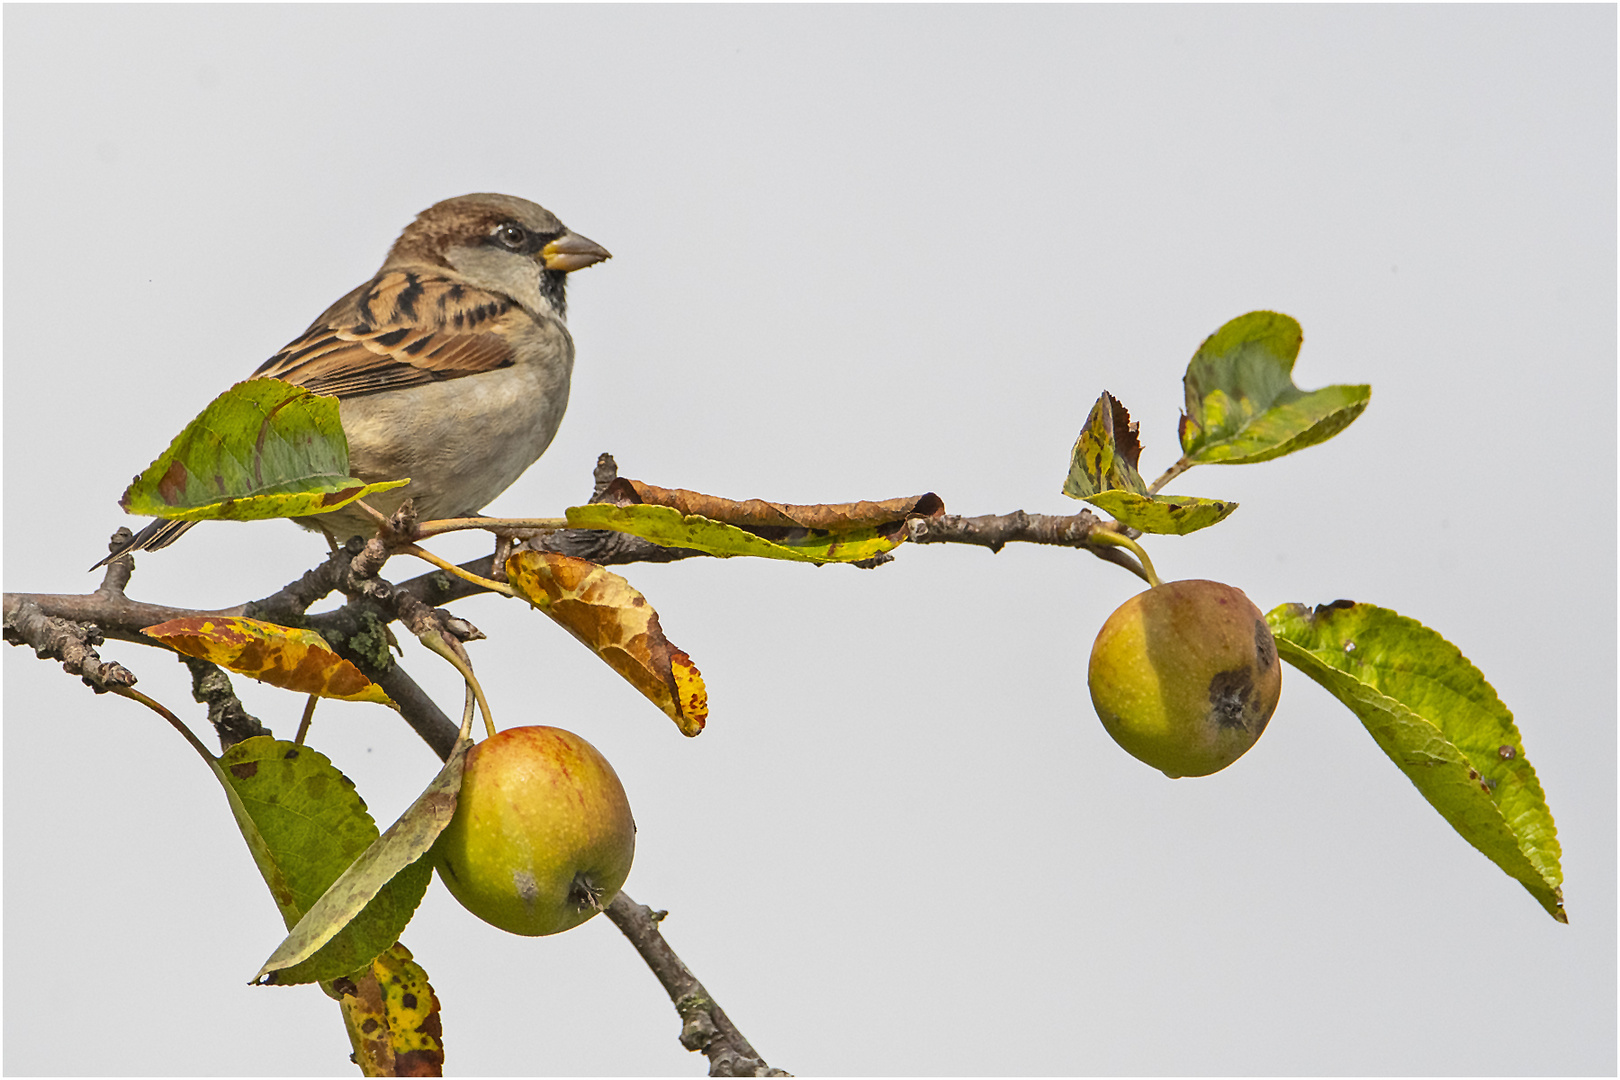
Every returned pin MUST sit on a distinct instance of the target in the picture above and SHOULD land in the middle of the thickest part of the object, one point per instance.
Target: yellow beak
(571, 252)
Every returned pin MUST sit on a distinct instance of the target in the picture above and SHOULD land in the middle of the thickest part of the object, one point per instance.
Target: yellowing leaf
(1175, 515)
(263, 449)
(298, 660)
(392, 1015)
(1103, 472)
(668, 527)
(606, 614)
(1105, 455)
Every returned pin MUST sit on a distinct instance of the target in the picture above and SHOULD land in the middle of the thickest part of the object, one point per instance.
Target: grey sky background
(859, 253)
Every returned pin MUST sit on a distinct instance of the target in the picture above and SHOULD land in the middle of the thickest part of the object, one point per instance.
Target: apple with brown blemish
(542, 836)
(1185, 676)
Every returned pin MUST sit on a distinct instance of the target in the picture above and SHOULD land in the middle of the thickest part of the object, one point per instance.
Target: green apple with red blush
(542, 837)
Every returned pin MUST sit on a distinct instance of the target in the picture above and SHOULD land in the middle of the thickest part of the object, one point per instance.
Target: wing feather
(402, 328)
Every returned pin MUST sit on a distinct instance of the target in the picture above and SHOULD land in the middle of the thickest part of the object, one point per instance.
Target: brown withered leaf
(298, 660)
(774, 521)
(613, 620)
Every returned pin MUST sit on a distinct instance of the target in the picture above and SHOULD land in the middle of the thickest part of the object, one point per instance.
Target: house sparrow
(450, 366)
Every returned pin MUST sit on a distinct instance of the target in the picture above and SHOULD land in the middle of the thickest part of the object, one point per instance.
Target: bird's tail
(158, 534)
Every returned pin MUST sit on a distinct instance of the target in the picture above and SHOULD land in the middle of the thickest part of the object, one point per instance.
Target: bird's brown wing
(402, 328)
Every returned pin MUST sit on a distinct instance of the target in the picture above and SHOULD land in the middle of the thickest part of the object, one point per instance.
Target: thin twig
(71, 641)
(704, 1025)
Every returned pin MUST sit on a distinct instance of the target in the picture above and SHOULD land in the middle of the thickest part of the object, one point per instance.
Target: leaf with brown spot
(365, 1018)
(263, 449)
(298, 660)
(1105, 455)
(393, 1018)
(606, 614)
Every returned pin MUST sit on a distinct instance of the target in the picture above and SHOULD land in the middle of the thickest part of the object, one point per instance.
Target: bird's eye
(511, 236)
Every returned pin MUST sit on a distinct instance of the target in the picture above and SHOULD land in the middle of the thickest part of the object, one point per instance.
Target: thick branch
(419, 710)
(704, 1025)
(116, 616)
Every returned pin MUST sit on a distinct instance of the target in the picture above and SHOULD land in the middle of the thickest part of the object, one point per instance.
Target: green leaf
(365, 902)
(305, 825)
(263, 449)
(1175, 515)
(1441, 723)
(1103, 472)
(302, 819)
(370, 931)
(1242, 404)
(668, 527)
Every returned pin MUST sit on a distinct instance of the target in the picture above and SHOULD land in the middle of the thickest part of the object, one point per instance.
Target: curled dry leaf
(759, 516)
(613, 620)
(298, 660)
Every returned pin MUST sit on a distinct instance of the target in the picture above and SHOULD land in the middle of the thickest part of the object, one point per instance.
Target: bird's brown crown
(464, 221)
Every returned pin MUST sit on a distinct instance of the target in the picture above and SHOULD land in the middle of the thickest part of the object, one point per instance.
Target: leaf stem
(136, 695)
(467, 715)
(1171, 473)
(465, 575)
(309, 714)
(377, 515)
(1108, 536)
(445, 525)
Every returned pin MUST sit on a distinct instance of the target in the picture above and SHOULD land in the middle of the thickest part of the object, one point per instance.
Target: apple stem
(467, 715)
(495, 525)
(436, 642)
(1108, 536)
(585, 892)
